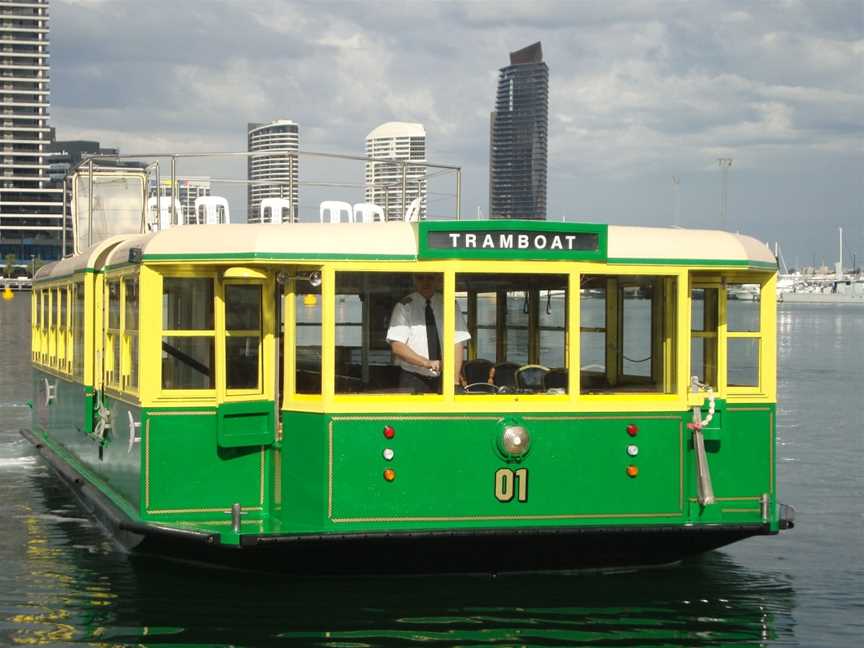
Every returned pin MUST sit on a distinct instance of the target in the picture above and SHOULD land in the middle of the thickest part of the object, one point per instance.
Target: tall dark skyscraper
(518, 138)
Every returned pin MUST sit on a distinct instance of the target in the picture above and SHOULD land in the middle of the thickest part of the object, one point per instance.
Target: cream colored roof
(675, 243)
(92, 258)
(384, 240)
(392, 240)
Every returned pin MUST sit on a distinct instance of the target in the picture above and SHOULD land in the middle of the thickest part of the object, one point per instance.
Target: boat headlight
(514, 442)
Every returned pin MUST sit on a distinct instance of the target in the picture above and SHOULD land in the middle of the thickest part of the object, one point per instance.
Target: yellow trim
(328, 335)
(574, 347)
(677, 347)
(289, 337)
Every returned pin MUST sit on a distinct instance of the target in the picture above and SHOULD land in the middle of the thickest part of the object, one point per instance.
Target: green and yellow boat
(227, 393)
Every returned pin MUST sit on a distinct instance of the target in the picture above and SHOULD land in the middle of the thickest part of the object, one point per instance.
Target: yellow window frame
(150, 288)
(211, 394)
(766, 336)
(113, 335)
(266, 340)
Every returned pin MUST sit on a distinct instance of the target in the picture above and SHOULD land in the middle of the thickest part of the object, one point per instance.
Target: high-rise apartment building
(402, 141)
(518, 137)
(188, 189)
(272, 176)
(31, 219)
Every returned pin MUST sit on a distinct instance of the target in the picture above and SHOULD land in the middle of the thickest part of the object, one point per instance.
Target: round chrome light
(515, 441)
(388, 454)
(632, 450)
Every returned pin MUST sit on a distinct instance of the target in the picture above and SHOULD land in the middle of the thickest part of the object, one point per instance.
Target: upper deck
(428, 240)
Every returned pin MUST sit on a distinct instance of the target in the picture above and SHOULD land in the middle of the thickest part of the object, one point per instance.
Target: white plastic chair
(331, 211)
(161, 215)
(275, 210)
(413, 211)
(212, 210)
(368, 213)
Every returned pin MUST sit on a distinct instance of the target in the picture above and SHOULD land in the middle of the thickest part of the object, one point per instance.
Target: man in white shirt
(415, 336)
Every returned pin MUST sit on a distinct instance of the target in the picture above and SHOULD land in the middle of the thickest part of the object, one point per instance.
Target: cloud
(639, 91)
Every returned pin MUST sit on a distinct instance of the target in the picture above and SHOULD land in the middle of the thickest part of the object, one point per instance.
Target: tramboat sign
(512, 239)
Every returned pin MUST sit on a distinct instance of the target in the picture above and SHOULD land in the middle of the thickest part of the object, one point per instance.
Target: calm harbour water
(62, 582)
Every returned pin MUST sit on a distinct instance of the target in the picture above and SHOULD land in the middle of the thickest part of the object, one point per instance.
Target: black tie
(432, 333)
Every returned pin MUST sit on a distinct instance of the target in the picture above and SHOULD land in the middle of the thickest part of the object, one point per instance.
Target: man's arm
(406, 354)
(457, 362)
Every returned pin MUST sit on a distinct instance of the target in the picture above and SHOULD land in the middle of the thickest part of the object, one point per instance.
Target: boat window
(627, 332)
(743, 362)
(52, 327)
(60, 362)
(43, 325)
(742, 307)
(112, 334)
(34, 324)
(78, 330)
(703, 341)
(243, 336)
(518, 325)
(187, 304)
(130, 332)
(307, 335)
(381, 332)
(743, 322)
(188, 337)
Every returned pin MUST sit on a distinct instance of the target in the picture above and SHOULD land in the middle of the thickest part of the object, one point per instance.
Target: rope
(699, 423)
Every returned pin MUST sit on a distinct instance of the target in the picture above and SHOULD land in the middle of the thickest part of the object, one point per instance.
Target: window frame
(765, 353)
(676, 317)
(244, 394)
(150, 343)
(193, 393)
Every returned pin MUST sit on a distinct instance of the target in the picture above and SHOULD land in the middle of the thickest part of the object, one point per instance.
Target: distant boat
(743, 292)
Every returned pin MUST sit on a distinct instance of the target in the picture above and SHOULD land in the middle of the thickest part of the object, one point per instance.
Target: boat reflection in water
(83, 590)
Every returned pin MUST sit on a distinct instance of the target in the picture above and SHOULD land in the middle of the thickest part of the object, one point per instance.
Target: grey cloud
(639, 91)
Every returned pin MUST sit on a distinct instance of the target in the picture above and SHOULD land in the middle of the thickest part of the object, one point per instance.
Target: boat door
(247, 414)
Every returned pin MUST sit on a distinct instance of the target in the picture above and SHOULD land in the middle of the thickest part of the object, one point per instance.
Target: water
(62, 582)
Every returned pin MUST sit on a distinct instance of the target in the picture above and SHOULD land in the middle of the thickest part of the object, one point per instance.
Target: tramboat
(226, 394)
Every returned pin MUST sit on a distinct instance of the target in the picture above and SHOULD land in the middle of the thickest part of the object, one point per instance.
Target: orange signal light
(389, 475)
(632, 470)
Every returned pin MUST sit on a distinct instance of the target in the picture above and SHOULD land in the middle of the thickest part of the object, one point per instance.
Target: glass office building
(519, 137)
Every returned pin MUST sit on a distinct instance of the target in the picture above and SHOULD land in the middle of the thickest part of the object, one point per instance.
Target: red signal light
(632, 430)
(389, 432)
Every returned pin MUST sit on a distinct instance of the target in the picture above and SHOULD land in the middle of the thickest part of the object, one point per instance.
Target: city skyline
(640, 94)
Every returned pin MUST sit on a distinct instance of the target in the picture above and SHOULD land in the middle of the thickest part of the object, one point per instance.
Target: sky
(641, 93)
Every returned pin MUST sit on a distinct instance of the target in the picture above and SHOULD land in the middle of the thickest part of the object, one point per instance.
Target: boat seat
(504, 374)
(368, 213)
(478, 370)
(162, 219)
(275, 210)
(212, 210)
(531, 377)
(331, 211)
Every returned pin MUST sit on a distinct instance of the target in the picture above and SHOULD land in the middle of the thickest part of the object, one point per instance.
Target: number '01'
(510, 482)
